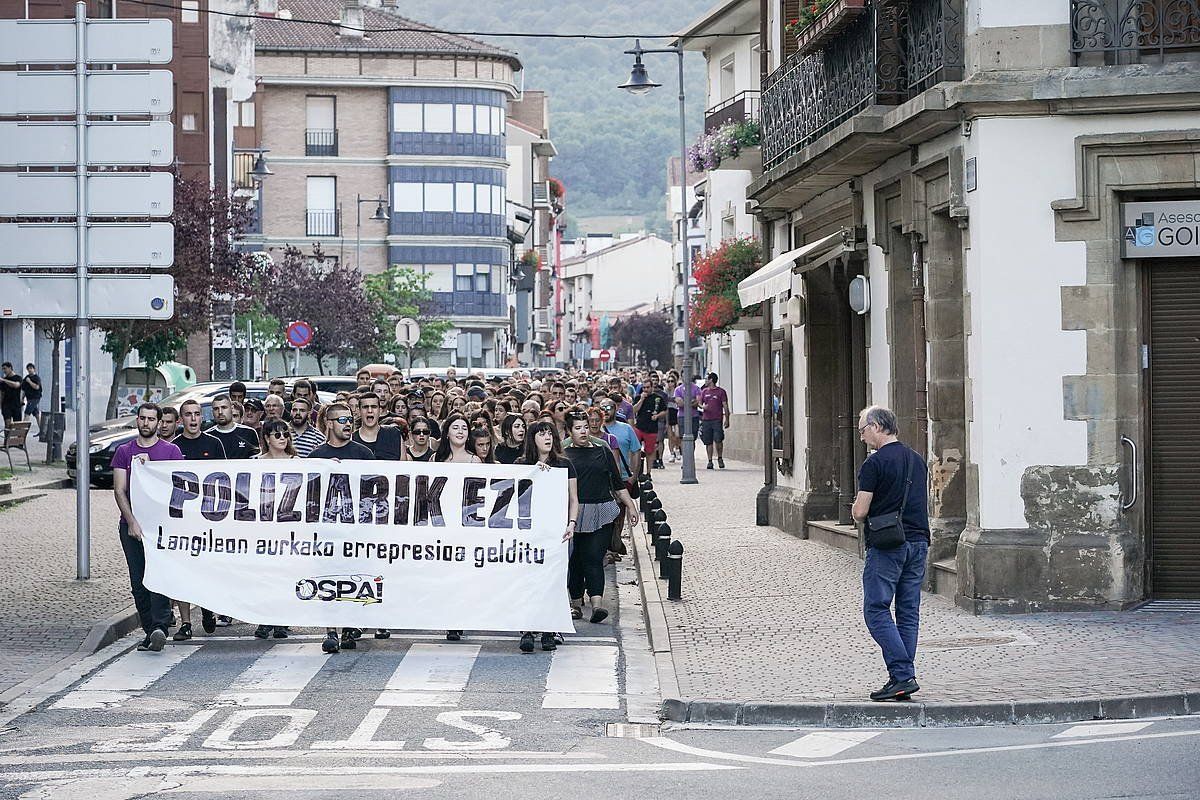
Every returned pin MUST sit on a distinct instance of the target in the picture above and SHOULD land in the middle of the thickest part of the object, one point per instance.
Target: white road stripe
(1101, 729)
(823, 744)
(430, 675)
(582, 678)
(132, 673)
(277, 677)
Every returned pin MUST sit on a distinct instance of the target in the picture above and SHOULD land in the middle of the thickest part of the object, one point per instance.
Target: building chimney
(352, 19)
(268, 8)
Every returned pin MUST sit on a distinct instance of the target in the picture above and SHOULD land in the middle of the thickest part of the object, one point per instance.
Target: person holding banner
(542, 447)
(339, 445)
(154, 609)
(277, 443)
(512, 435)
(453, 449)
(600, 488)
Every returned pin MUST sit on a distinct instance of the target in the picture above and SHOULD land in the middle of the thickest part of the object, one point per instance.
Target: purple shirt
(714, 400)
(159, 451)
(692, 393)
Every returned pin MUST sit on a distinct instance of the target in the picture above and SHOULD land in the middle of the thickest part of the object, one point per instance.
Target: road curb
(100, 635)
(844, 714)
(657, 629)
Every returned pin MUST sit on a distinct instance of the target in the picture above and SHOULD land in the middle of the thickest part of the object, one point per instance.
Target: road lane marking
(823, 744)
(363, 737)
(300, 754)
(1101, 729)
(131, 673)
(582, 678)
(430, 675)
(277, 677)
(474, 637)
(297, 720)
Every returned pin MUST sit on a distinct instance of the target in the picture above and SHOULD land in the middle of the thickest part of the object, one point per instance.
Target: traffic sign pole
(82, 356)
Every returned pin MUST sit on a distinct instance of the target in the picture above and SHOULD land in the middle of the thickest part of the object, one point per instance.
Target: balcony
(322, 222)
(1107, 32)
(467, 304)
(320, 142)
(884, 57)
(742, 106)
(243, 170)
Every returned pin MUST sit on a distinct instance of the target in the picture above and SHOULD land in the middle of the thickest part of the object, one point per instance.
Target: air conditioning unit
(541, 194)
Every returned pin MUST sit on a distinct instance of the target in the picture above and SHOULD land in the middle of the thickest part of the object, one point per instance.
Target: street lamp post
(640, 83)
(380, 215)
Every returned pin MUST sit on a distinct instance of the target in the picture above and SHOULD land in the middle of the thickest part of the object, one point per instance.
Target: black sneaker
(721, 463)
(881, 694)
(208, 620)
(330, 645)
(348, 640)
(280, 632)
(353, 633)
(144, 644)
(156, 640)
(224, 621)
(184, 633)
(710, 466)
(262, 631)
(896, 690)
(383, 633)
(548, 642)
(658, 464)
(526, 642)
(453, 636)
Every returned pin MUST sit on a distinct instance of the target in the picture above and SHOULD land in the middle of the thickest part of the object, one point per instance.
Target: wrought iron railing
(933, 43)
(1129, 31)
(322, 222)
(320, 142)
(742, 106)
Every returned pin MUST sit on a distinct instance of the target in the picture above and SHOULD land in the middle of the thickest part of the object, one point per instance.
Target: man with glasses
(239, 441)
(340, 446)
(630, 460)
(195, 445)
(154, 609)
(384, 441)
(305, 437)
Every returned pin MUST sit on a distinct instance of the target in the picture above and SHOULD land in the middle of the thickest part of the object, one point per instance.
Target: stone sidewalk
(45, 613)
(768, 618)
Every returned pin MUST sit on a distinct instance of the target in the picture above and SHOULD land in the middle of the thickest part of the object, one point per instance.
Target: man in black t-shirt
(384, 441)
(196, 445)
(649, 408)
(31, 387)
(10, 394)
(240, 441)
(339, 446)
(893, 574)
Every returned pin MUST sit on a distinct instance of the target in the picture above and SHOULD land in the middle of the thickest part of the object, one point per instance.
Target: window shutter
(791, 11)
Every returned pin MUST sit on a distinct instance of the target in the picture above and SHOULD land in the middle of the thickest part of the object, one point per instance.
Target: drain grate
(1171, 607)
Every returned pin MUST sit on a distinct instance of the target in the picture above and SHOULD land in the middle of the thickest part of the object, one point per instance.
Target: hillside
(612, 145)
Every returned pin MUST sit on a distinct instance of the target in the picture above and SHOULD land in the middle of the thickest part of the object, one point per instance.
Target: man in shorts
(714, 419)
(648, 411)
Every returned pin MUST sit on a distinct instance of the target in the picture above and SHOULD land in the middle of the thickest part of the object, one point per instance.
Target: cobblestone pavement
(45, 613)
(769, 616)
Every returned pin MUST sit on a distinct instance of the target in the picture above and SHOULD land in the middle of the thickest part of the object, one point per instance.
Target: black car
(103, 443)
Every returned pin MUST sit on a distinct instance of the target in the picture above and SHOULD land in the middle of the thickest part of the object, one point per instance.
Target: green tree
(399, 292)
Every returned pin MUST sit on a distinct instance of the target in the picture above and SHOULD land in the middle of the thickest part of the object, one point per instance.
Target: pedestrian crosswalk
(393, 674)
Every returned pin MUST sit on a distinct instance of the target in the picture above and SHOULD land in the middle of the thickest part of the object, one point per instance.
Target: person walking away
(154, 609)
(340, 446)
(239, 441)
(31, 387)
(278, 441)
(714, 419)
(892, 488)
(305, 436)
(542, 447)
(600, 489)
(195, 445)
(10, 394)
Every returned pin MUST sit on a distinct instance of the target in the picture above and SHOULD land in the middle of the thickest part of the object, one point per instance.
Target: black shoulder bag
(886, 531)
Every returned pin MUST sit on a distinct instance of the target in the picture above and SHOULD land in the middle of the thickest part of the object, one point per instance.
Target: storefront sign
(1167, 229)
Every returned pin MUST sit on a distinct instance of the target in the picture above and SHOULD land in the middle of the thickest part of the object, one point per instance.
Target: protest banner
(364, 544)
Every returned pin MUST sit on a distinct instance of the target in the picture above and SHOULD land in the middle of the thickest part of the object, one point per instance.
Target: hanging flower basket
(827, 18)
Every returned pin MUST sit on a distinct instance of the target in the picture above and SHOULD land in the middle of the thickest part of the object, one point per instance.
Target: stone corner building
(991, 212)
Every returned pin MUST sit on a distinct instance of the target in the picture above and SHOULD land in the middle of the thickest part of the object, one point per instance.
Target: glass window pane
(464, 198)
(439, 118)
(464, 118)
(407, 198)
(497, 200)
(406, 117)
(483, 199)
(247, 113)
(321, 193)
(189, 11)
(497, 120)
(439, 278)
(439, 197)
(483, 120)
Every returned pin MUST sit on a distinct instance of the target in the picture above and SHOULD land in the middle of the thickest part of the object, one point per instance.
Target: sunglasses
(420, 433)
(282, 434)
(342, 420)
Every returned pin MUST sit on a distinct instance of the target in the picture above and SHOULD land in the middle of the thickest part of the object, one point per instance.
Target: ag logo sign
(1167, 229)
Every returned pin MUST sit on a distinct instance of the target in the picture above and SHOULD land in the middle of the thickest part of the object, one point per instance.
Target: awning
(776, 277)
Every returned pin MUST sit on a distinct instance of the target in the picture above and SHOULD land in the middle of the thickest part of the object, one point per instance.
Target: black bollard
(645, 498)
(674, 567)
(654, 504)
(661, 533)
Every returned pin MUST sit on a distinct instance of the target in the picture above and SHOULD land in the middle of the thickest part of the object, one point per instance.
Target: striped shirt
(308, 441)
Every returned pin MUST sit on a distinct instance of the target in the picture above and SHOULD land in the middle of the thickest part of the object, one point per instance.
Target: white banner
(365, 544)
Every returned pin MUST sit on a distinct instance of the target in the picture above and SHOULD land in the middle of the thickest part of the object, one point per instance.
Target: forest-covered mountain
(612, 145)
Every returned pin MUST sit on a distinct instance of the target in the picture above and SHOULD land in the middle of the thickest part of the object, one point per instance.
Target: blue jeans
(895, 575)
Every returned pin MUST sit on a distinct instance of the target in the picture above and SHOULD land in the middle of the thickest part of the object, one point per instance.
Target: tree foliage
(399, 292)
(644, 337)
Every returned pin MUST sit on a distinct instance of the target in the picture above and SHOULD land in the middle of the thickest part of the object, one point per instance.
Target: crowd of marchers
(604, 428)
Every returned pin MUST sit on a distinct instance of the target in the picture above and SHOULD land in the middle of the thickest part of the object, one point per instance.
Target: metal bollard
(674, 569)
(645, 498)
(659, 540)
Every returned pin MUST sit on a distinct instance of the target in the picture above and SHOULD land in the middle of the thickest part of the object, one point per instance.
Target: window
(470, 351)
(464, 277)
(406, 117)
(497, 120)
(497, 200)
(727, 78)
(439, 277)
(191, 111)
(464, 198)
(439, 118)
(322, 193)
(408, 198)
(439, 197)
(483, 199)
(483, 120)
(189, 11)
(320, 112)
(464, 118)
(245, 113)
(753, 373)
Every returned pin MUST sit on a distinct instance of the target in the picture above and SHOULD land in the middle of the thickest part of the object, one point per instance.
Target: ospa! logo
(365, 589)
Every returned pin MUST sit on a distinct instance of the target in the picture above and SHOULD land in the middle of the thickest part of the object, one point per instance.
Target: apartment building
(389, 148)
(687, 211)
(973, 214)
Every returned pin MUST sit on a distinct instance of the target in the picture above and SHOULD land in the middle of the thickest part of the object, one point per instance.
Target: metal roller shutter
(1174, 479)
